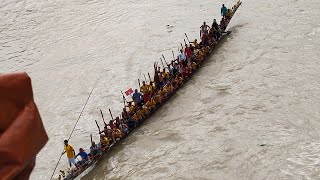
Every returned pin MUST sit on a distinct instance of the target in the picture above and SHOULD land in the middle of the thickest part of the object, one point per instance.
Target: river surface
(251, 112)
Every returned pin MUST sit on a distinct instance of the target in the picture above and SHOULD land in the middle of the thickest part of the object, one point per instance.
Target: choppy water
(262, 86)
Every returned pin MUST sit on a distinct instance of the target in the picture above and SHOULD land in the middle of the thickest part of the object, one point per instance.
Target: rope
(74, 128)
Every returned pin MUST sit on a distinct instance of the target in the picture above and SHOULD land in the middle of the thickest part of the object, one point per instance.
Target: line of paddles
(74, 174)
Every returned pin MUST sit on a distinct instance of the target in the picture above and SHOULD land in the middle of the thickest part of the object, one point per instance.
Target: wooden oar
(162, 62)
(139, 84)
(165, 60)
(173, 56)
(110, 114)
(187, 37)
(98, 126)
(149, 77)
(124, 99)
(91, 138)
(103, 118)
(145, 78)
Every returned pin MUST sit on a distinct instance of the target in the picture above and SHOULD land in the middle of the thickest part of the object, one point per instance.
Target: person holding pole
(70, 153)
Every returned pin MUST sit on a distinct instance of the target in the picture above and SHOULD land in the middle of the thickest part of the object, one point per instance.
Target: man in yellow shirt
(144, 87)
(70, 153)
(151, 104)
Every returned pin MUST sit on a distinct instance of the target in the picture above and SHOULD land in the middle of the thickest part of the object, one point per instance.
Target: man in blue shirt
(223, 11)
(137, 98)
(83, 155)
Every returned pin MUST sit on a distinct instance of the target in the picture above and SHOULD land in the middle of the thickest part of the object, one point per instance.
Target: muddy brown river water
(251, 112)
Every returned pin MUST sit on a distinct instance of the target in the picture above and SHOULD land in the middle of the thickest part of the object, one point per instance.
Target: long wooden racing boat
(75, 173)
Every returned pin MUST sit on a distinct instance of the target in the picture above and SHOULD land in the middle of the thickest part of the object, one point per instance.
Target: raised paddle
(91, 138)
(124, 99)
(185, 42)
(145, 78)
(139, 84)
(149, 77)
(98, 126)
(162, 62)
(165, 60)
(173, 56)
(110, 114)
(187, 37)
(103, 117)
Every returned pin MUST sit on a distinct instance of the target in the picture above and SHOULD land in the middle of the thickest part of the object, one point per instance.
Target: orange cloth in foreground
(22, 134)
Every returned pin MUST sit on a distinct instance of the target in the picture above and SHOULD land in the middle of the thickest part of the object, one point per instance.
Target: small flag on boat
(128, 92)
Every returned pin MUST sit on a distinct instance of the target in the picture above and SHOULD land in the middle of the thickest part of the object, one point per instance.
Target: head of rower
(143, 83)
(93, 144)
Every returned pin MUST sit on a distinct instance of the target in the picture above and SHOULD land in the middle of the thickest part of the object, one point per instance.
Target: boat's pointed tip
(226, 32)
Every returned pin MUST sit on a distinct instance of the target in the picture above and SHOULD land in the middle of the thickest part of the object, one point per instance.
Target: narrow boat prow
(226, 32)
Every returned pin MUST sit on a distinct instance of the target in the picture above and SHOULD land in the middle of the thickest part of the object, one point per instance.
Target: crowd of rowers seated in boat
(166, 82)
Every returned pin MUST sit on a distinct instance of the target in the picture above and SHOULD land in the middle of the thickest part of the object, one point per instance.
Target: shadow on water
(235, 28)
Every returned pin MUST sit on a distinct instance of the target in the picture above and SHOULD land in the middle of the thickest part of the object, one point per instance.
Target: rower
(117, 134)
(137, 98)
(104, 141)
(161, 81)
(146, 96)
(144, 87)
(83, 155)
(145, 110)
(109, 134)
(131, 124)
(196, 44)
(223, 11)
(124, 114)
(94, 150)
(191, 48)
(70, 153)
(124, 128)
(151, 104)
(188, 52)
(228, 15)
(182, 56)
(137, 117)
(215, 25)
(152, 88)
(223, 24)
(204, 39)
(111, 124)
(204, 29)
(131, 107)
(166, 75)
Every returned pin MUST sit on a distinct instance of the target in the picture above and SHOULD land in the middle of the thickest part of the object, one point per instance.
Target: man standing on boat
(137, 98)
(204, 29)
(215, 25)
(70, 153)
(223, 11)
(182, 57)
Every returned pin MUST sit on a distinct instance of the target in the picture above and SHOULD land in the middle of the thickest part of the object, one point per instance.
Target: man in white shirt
(182, 57)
